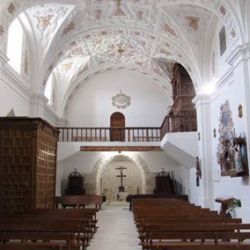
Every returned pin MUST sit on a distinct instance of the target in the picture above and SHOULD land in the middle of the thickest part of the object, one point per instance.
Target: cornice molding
(61, 122)
(3, 59)
(39, 99)
(239, 53)
(201, 100)
(225, 79)
(15, 81)
(52, 116)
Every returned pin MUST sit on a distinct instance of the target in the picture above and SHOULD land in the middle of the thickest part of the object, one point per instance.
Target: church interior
(123, 104)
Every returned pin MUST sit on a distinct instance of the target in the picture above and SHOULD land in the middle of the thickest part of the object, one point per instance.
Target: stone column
(204, 147)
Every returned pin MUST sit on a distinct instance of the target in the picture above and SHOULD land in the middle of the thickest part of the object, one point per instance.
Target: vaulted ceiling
(80, 38)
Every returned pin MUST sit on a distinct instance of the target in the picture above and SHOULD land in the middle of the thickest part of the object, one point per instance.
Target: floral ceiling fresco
(81, 38)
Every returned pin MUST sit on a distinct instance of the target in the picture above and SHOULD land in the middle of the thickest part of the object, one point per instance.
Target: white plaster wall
(237, 187)
(87, 162)
(194, 192)
(220, 65)
(12, 98)
(91, 105)
(186, 141)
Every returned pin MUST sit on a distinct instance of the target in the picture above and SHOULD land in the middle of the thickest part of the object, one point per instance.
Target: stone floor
(116, 230)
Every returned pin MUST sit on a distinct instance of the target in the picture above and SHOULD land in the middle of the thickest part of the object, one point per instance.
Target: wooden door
(117, 127)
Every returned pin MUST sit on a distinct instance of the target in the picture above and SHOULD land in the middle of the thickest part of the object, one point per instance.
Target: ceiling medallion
(121, 101)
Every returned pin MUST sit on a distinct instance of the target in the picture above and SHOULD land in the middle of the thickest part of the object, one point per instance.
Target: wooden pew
(148, 197)
(178, 225)
(67, 233)
(30, 246)
(199, 246)
(50, 228)
(78, 201)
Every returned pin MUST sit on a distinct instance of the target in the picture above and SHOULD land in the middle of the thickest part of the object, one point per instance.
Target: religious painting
(225, 153)
(232, 150)
(240, 157)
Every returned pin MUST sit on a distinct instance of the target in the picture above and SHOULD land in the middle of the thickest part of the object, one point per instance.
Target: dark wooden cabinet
(28, 149)
(163, 185)
(75, 184)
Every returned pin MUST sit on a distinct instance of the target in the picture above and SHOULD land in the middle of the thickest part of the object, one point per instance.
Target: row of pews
(47, 229)
(171, 224)
(79, 201)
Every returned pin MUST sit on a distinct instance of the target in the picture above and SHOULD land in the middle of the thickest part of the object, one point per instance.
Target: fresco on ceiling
(12, 8)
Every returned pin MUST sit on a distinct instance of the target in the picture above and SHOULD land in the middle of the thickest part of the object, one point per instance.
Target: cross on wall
(121, 175)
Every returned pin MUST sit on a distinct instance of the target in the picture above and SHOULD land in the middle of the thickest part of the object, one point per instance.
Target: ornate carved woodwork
(27, 164)
(183, 94)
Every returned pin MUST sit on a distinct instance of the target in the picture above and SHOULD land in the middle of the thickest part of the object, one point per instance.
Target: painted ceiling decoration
(47, 20)
(77, 39)
(121, 100)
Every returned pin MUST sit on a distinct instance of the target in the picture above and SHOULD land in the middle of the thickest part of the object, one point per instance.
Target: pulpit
(163, 184)
(75, 184)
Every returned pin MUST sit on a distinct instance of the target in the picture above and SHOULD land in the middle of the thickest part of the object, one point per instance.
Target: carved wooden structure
(164, 184)
(27, 164)
(183, 94)
(75, 184)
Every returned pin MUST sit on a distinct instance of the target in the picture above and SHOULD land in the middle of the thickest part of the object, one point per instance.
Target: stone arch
(147, 176)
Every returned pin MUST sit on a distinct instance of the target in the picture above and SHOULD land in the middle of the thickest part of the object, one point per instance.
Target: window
(15, 44)
(223, 42)
(48, 92)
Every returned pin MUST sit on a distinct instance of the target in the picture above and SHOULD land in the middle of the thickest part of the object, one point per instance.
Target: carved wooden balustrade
(128, 134)
(102, 134)
(173, 124)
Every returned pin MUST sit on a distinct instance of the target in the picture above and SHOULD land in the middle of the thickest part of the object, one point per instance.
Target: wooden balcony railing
(128, 134)
(178, 124)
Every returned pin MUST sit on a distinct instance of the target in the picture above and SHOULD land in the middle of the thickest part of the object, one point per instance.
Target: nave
(161, 224)
(116, 230)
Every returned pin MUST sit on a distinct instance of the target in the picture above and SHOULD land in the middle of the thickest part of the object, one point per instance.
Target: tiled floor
(116, 230)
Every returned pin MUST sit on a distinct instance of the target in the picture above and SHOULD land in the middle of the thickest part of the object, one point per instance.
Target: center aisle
(117, 230)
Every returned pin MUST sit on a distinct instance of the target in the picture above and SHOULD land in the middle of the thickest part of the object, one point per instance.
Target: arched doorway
(110, 181)
(117, 125)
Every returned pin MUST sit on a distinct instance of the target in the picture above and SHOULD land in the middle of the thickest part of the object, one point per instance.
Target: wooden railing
(103, 134)
(178, 124)
(128, 134)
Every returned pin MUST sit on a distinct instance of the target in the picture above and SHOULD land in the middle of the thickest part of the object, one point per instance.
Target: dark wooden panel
(27, 164)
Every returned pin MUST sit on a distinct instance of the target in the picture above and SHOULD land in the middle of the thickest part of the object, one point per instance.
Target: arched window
(48, 92)
(15, 45)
